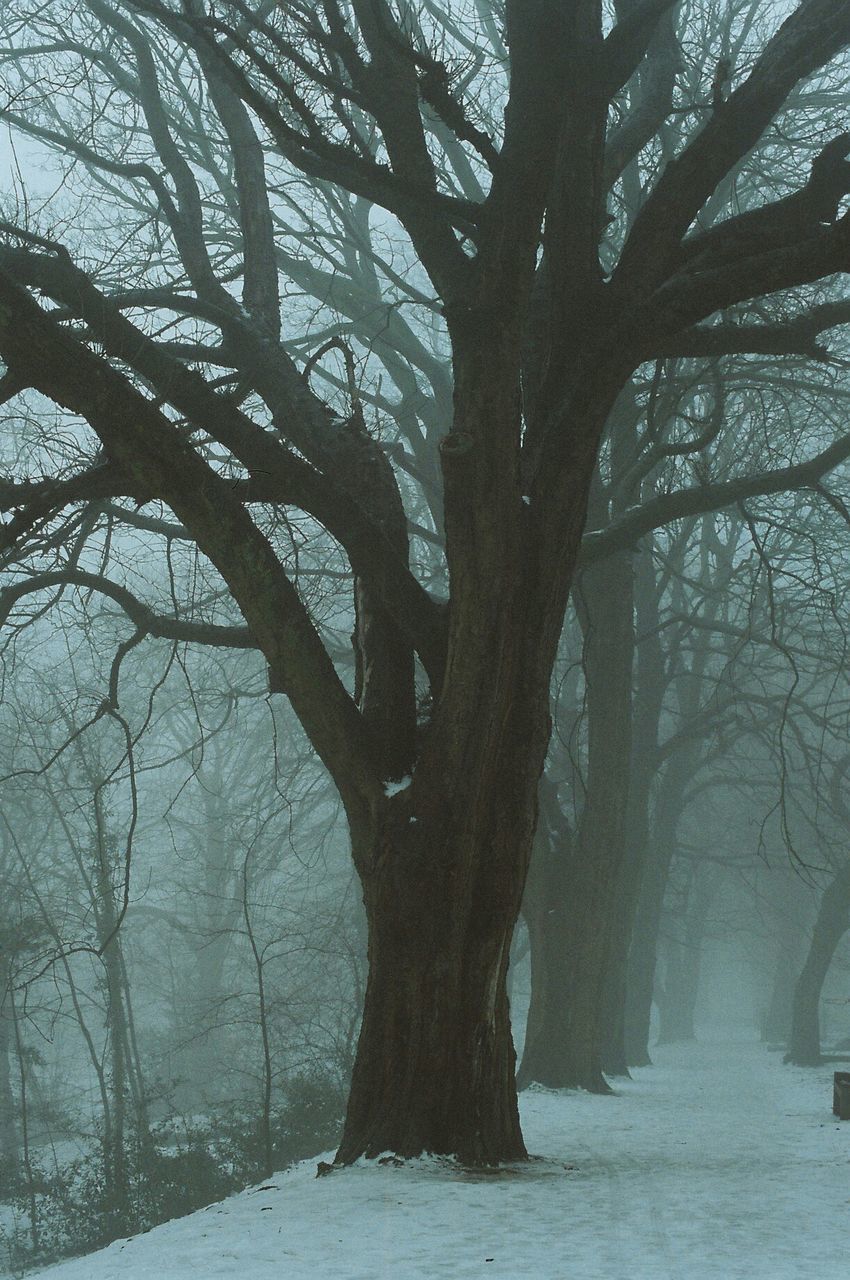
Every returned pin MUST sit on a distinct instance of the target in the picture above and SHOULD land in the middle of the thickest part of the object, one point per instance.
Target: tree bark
(832, 923)
(545, 907)
(444, 861)
(435, 1064)
(615, 1059)
(572, 923)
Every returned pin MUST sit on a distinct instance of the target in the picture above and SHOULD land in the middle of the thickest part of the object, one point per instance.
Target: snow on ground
(718, 1163)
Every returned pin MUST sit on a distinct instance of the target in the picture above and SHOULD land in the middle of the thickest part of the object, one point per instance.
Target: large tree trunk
(832, 923)
(443, 861)
(435, 1064)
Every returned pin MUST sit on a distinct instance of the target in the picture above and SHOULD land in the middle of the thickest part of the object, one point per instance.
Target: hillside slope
(715, 1164)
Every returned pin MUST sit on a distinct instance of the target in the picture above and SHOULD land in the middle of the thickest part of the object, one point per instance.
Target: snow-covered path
(718, 1163)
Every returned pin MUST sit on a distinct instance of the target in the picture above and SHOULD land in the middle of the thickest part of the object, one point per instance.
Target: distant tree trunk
(832, 923)
(630, 992)
(9, 1139)
(683, 956)
(26, 1148)
(209, 934)
(115, 1156)
(679, 992)
(615, 1058)
(623, 991)
(776, 1027)
(662, 847)
(572, 934)
(124, 1083)
(640, 978)
(258, 957)
(545, 908)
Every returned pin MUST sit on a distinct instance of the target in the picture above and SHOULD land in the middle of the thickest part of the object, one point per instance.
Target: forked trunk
(443, 862)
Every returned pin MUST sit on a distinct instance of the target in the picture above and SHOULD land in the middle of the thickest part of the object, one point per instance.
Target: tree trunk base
(803, 1059)
(435, 1067)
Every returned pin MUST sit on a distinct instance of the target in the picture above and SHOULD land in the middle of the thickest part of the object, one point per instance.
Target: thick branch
(667, 507)
(796, 336)
(651, 99)
(278, 474)
(695, 294)
(628, 43)
(145, 619)
(807, 40)
(142, 441)
(260, 293)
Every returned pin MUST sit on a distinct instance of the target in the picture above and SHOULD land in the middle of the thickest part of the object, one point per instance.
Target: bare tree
(548, 305)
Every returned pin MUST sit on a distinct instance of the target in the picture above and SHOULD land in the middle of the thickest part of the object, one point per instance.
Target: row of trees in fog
(184, 943)
(473, 376)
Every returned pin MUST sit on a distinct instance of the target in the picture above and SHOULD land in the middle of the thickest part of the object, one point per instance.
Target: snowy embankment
(718, 1162)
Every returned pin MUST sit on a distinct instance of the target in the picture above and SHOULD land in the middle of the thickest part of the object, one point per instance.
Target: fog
(424, 572)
